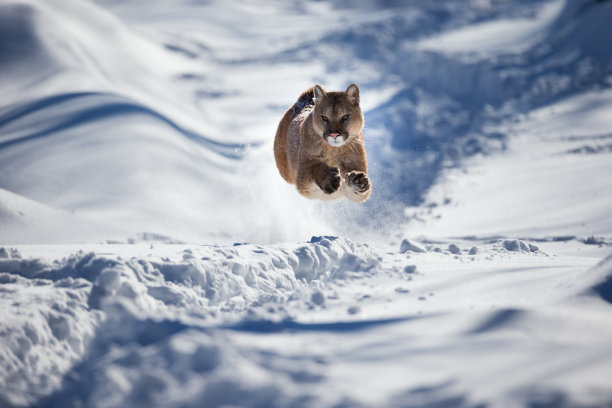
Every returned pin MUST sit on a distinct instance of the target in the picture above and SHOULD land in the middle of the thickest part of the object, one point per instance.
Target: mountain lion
(319, 145)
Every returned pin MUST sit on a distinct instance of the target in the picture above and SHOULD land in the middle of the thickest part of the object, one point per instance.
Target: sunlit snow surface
(151, 255)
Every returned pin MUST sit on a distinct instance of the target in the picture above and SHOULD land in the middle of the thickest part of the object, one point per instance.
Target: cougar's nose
(334, 135)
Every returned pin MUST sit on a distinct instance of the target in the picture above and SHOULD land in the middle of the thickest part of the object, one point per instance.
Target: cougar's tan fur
(319, 145)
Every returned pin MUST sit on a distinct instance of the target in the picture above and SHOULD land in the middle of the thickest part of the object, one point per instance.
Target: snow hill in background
(151, 255)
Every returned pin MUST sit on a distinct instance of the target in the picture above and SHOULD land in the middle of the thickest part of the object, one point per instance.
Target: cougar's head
(337, 115)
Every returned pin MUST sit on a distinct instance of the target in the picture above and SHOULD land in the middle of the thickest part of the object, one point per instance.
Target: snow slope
(150, 255)
(553, 179)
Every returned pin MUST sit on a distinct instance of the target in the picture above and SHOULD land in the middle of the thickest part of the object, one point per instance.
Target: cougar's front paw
(358, 181)
(330, 181)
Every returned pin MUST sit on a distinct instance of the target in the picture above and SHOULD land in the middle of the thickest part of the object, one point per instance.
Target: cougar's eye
(325, 118)
(345, 117)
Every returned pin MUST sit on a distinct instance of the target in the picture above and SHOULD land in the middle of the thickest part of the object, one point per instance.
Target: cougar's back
(287, 140)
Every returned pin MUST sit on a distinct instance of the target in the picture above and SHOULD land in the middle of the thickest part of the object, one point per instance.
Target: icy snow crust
(150, 254)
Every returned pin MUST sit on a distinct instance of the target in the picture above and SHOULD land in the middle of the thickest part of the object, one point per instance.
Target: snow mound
(194, 342)
(66, 300)
(115, 143)
(412, 246)
(26, 221)
(516, 245)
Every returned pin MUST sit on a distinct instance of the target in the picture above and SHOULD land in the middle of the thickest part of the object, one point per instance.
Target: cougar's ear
(319, 93)
(353, 93)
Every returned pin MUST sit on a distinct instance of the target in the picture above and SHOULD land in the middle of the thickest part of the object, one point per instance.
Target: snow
(527, 185)
(151, 255)
(497, 36)
(409, 245)
(186, 325)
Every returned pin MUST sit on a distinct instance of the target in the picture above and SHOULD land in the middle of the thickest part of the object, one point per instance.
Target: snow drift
(147, 296)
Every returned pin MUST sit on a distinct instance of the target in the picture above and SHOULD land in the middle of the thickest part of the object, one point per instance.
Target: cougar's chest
(332, 156)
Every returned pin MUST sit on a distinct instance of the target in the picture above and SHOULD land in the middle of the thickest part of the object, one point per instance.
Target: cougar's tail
(305, 100)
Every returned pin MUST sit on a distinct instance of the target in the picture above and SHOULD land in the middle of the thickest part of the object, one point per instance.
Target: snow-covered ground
(151, 255)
